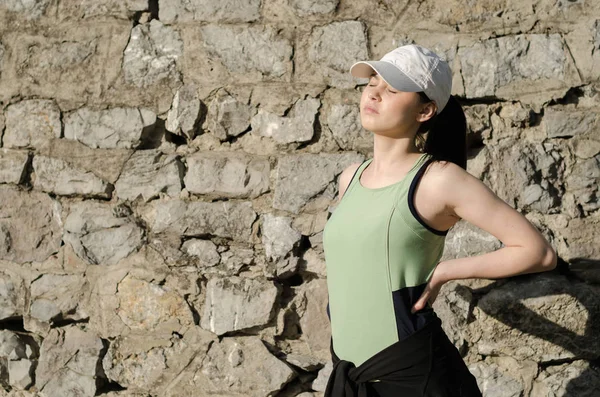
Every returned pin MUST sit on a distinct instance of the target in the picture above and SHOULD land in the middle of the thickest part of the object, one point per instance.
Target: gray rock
(278, 236)
(234, 260)
(210, 11)
(313, 262)
(31, 122)
(535, 196)
(13, 346)
(28, 8)
(20, 373)
(479, 120)
(585, 148)
(297, 126)
(303, 177)
(228, 117)
(168, 246)
(151, 55)
(148, 307)
(13, 164)
(111, 128)
(107, 164)
(581, 237)
(453, 307)
(141, 363)
(186, 282)
(85, 9)
(510, 121)
(204, 250)
(530, 165)
(57, 176)
(577, 378)
(224, 219)
(70, 64)
(237, 367)
(148, 173)
(582, 182)
(62, 56)
(248, 49)
(69, 363)
(315, 325)
(98, 236)
(43, 310)
(12, 295)
(17, 358)
(513, 65)
(497, 17)
(235, 303)
(337, 46)
(320, 383)
(69, 384)
(305, 8)
(307, 363)
(466, 239)
(2, 121)
(287, 267)
(559, 123)
(497, 381)
(519, 320)
(227, 174)
(184, 112)
(30, 227)
(103, 301)
(56, 297)
(345, 125)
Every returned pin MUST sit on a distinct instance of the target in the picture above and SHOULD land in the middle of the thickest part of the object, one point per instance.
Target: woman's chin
(370, 125)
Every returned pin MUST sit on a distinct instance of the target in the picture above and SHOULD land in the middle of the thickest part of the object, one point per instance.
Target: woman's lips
(369, 109)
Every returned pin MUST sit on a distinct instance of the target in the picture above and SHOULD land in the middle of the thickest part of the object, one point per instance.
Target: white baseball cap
(411, 68)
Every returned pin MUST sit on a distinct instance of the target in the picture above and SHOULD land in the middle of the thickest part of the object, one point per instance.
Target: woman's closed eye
(375, 85)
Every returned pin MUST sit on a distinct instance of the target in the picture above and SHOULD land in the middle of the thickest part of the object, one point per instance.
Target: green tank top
(379, 256)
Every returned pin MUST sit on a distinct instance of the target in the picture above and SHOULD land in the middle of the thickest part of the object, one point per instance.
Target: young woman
(384, 240)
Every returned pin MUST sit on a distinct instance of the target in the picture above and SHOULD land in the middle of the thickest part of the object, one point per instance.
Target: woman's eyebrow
(374, 74)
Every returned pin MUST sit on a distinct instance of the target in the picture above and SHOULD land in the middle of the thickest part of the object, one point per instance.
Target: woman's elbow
(549, 258)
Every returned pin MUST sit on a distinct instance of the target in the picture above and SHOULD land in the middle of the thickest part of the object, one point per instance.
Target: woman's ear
(428, 110)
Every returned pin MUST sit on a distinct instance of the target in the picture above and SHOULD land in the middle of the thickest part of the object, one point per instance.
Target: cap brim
(388, 72)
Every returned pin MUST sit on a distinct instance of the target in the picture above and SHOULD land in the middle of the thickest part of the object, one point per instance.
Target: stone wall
(167, 167)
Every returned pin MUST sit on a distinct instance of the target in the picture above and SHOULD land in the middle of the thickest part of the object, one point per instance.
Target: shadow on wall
(516, 315)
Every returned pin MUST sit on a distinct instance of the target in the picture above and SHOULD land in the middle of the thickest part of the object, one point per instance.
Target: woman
(383, 242)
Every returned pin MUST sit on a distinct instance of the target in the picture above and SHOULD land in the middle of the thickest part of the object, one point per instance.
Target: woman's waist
(408, 351)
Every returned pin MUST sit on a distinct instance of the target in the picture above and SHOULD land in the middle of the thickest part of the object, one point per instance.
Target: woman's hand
(431, 290)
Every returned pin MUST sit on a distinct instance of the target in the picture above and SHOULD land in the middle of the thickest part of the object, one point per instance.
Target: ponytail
(446, 133)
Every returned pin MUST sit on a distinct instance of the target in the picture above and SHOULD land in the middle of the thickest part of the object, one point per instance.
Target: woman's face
(390, 112)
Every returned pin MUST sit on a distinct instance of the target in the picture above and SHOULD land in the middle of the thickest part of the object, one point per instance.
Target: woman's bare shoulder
(445, 170)
(440, 180)
(345, 177)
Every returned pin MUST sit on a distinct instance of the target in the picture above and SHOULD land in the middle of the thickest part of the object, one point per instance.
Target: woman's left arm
(525, 249)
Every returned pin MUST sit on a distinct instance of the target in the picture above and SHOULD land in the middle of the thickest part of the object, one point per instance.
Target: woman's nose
(374, 94)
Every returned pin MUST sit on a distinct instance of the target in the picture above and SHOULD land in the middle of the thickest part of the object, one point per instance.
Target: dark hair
(446, 133)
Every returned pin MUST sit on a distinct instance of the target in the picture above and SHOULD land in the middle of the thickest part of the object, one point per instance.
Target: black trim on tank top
(411, 206)
(347, 187)
(351, 179)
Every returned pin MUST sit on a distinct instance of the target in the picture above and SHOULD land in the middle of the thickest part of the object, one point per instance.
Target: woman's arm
(525, 249)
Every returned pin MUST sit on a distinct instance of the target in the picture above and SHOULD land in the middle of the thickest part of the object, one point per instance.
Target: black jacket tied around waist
(425, 363)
